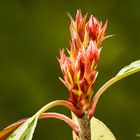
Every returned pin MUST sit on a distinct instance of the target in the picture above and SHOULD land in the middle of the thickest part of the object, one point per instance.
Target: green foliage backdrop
(31, 34)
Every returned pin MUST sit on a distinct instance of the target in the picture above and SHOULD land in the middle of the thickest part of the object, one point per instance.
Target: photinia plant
(79, 75)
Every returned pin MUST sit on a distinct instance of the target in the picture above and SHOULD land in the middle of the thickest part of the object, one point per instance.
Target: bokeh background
(31, 34)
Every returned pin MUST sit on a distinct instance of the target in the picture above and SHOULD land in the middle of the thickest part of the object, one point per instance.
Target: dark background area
(31, 34)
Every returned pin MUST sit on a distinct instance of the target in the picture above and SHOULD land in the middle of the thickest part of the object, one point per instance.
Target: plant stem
(65, 103)
(8, 130)
(84, 126)
(64, 118)
(104, 87)
(99, 93)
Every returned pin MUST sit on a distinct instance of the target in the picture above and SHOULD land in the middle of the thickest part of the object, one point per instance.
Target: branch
(126, 71)
(8, 130)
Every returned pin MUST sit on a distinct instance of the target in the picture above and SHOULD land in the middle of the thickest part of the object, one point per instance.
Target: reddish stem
(71, 107)
(64, 118)
(101, 91)
(65, 103)
(8, 130)
(93, 106)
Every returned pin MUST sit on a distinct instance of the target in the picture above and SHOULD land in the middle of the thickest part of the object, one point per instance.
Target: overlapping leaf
(25, 131)
(99, 131)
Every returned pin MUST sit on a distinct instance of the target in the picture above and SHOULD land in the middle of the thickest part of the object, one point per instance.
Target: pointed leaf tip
(25, 131)
(132, 68)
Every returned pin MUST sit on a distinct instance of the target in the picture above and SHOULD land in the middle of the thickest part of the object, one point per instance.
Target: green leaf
(132, 68)
(126, 71)
(25, 131)
(99, 131)
(11, 128)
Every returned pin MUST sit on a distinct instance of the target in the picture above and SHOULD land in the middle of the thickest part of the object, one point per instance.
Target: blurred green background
(31, 34)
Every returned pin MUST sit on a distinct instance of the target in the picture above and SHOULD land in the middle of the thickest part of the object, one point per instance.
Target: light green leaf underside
(126, 71)
(99, 131)
(25, 131)
(133, 67)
